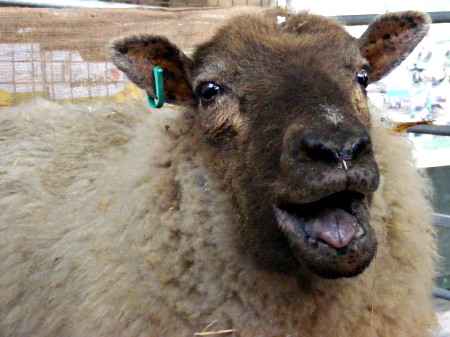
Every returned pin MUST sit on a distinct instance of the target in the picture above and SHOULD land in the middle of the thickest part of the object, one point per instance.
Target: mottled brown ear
(390, 38)
(138, 55)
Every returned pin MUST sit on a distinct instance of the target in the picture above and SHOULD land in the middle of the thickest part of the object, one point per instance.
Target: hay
(212, 333)
(402, 127)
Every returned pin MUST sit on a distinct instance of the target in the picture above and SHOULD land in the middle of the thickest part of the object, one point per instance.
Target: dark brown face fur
(284, 113)
(290, 124)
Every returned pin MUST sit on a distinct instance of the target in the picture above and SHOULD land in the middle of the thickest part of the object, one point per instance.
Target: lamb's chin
(332, 237)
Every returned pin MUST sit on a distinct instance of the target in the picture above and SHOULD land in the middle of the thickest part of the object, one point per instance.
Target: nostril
(315, 149)
(359, 146)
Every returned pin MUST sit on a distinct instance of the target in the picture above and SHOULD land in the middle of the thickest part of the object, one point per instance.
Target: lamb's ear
(138, 55)
(390, 38)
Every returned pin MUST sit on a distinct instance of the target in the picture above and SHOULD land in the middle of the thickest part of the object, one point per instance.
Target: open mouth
(332, 234)
(333, 220)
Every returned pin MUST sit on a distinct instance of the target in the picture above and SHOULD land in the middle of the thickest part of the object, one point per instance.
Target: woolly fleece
(112, 225)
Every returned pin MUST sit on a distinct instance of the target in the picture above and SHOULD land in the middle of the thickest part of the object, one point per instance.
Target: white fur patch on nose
(333, 114)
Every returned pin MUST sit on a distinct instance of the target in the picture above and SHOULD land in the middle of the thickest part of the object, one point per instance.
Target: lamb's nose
(331, 148)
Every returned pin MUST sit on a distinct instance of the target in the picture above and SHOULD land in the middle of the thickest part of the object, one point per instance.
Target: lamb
(270, 203)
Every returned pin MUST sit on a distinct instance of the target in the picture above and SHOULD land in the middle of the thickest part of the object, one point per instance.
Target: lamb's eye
(363, 78)
(209, 91)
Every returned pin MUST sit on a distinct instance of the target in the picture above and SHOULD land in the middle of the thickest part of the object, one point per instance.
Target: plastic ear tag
(159, 85)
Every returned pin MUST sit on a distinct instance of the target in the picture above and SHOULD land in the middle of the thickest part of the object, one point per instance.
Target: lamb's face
(289, 117)
(285, 111)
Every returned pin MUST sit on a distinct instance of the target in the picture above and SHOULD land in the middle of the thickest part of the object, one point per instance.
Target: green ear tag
(159, 85)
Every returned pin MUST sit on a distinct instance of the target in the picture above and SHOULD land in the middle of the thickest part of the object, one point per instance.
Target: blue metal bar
(440, 130)
(357, 20)
(442, 293)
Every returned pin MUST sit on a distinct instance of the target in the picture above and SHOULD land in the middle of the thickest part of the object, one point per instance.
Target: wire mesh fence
(197, 3)
(61, 54)
(27, 70)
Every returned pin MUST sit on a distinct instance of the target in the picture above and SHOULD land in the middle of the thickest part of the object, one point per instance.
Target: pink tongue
(334, 226)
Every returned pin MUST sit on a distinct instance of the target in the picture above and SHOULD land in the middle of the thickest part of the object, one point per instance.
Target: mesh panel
(196, 3)
(61, 54)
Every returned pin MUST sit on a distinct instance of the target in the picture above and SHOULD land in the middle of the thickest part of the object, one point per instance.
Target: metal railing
(349, 20)
(437, 130)
(365, 19)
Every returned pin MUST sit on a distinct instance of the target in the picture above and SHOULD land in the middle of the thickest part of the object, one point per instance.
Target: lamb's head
(284, 111)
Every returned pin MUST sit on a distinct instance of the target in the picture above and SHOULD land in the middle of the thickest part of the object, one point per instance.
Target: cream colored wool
(112, 225)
